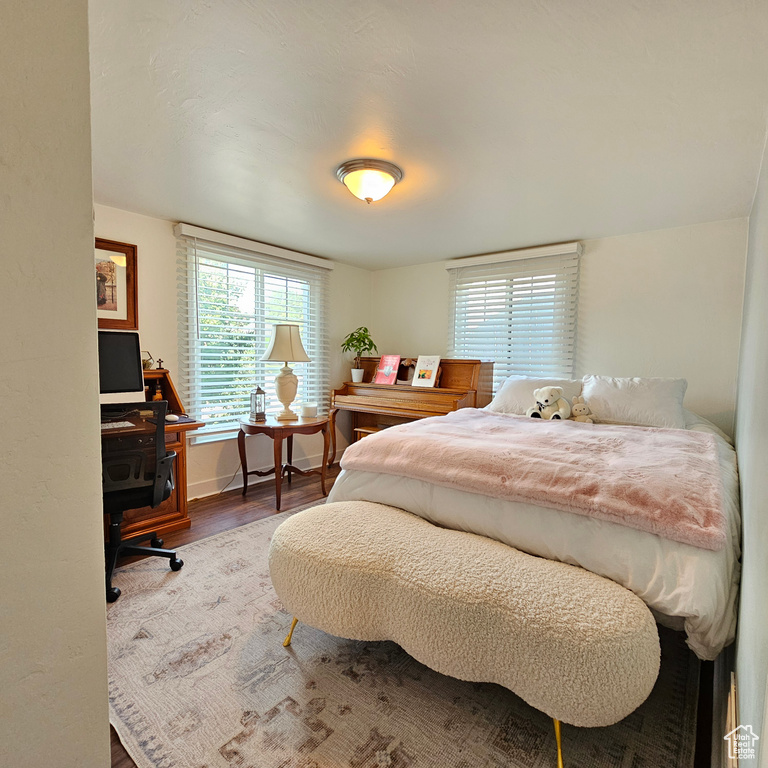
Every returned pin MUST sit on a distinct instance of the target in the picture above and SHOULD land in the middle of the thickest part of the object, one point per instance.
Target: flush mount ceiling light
(368, 179)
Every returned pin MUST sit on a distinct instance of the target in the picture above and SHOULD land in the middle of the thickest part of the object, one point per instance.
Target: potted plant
(359, 342)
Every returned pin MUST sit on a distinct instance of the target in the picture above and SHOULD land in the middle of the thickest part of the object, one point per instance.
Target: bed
(687, 587)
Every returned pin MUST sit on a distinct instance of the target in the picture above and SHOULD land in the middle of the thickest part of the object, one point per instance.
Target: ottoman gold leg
(559, 745)
(287, 640)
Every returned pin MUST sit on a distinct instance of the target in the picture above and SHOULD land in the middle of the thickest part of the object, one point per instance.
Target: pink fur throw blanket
(662, 481)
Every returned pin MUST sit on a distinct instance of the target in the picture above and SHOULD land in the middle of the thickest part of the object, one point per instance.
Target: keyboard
(116, 424)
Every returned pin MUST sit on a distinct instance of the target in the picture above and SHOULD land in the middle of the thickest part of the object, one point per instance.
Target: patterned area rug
(198, 677)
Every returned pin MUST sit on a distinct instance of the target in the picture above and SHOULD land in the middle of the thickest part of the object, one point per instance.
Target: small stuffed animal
(580, 411)
(550, 404)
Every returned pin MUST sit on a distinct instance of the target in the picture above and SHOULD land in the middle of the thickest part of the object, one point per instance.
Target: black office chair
(137, 471)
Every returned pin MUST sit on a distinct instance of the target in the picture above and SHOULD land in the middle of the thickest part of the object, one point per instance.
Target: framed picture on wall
(116, 285)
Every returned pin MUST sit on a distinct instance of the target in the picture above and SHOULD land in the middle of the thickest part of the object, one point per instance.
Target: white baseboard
(212, 486)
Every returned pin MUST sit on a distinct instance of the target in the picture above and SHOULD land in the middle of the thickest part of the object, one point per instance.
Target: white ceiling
(516, 122)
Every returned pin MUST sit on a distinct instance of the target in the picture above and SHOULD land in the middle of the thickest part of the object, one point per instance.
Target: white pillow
(516, 394)
(652, 402)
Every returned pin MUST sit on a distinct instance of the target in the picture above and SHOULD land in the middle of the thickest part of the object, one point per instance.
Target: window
(517, 309)
(229, 298)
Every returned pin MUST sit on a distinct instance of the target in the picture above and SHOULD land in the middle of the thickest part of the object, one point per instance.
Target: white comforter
(686, 587)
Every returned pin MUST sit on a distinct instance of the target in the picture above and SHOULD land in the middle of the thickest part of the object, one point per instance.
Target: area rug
(198, 678)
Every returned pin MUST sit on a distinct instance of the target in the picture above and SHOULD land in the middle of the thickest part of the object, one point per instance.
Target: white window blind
(228, 300)
(518, 312)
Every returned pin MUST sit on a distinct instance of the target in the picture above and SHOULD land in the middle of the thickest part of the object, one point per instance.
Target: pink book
(386, 373)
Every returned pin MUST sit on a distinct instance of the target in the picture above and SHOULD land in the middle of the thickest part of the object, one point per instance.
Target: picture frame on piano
(427, 371)
(386, 371)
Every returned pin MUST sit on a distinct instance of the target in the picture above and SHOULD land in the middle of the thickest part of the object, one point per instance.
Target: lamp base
(286, 415)
(286, 385)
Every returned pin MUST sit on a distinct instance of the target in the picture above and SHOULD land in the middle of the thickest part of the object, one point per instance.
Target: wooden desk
(173, 513)
(278, 430)
(463, 384)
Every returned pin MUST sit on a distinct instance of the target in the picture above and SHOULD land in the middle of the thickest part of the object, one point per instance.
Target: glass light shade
(286, 345)
(369, 185)
(369, 179)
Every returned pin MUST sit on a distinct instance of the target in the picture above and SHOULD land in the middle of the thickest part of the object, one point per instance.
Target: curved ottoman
(572, 644)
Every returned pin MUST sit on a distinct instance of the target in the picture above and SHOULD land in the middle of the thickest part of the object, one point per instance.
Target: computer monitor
(120, 371)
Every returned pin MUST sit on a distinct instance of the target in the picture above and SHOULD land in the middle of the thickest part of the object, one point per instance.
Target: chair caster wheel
(156, 543)
(112, 594)
(176, 564)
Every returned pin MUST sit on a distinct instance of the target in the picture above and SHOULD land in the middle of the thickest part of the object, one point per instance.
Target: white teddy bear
(580, 411)
(550, 404)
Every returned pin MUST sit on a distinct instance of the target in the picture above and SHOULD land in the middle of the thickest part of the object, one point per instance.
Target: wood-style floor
(222, 513)
(229, 510)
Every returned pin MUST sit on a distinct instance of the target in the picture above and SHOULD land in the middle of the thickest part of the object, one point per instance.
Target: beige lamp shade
(286, 345)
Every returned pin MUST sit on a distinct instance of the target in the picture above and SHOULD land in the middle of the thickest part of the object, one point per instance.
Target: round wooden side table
(278, 431)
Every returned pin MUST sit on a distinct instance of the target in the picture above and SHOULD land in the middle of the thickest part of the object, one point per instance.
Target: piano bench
(361, 432)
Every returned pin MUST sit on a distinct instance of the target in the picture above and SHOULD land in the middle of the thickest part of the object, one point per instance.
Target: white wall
(411, 310)
(752, 449)
(664, 303)
(53, 689)
(211, 466)
(667, 303)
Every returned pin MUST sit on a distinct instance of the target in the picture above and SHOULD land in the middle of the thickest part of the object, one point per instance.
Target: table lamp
(286, 347)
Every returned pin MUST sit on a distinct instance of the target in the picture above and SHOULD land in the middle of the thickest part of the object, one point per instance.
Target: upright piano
(462, 384)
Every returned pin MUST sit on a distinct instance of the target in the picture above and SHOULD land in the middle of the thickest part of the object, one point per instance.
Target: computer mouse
(171, 417)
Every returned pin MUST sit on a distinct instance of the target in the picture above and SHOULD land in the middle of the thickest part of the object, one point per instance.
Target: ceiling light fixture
(369, 179)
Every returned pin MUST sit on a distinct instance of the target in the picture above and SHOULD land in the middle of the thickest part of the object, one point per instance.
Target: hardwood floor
(223, 512)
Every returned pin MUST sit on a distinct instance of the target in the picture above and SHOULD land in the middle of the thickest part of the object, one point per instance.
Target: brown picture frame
(116, 294)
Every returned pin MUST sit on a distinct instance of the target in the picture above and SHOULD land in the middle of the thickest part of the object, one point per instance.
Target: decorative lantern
(258, 405)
